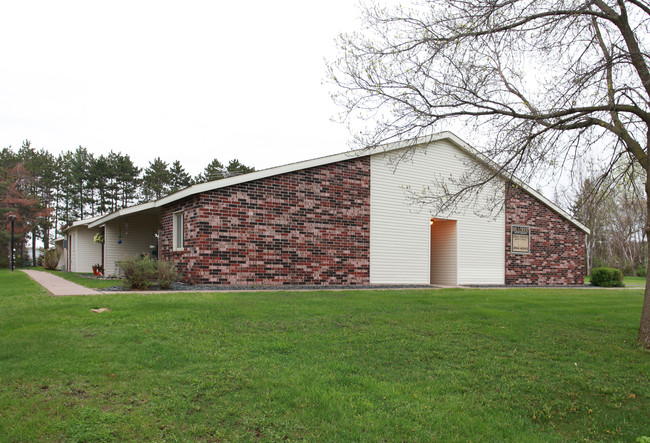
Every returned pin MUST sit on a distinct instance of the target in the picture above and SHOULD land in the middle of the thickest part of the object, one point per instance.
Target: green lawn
(629, 281)
(480, 365)
(634, 281)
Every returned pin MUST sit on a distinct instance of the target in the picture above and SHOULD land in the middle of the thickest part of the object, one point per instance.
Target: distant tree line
(612, 205)
(46, 192)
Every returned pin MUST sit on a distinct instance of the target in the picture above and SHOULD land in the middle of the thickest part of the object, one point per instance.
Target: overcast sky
(187, 81)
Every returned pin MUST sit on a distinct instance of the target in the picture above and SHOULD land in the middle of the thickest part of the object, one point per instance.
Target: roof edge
(83, 222)
(476, 154)
(121, 213)
(321, 161)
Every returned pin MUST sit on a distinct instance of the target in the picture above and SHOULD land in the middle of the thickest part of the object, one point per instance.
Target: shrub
(139, 272)
(628, 271)
(642, 270)
(167, 274)
(607, 277)
(51, 259)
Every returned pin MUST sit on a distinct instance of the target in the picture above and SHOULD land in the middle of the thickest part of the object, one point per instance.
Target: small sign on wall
(520, 239)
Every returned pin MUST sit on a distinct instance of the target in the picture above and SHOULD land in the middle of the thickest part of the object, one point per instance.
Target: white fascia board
(270, 172)
(257, 175)
(480, 157)
(472, 152)
(121, 213)
(298, 166)
(84, 222)
(551, 205)
(321, 161)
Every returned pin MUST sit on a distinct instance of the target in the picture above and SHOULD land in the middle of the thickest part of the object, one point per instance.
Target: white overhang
(85, 222)
(122, 213)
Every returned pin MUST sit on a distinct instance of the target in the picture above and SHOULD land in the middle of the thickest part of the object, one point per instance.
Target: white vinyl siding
(137, 235)
(85, 252)
(400, 232)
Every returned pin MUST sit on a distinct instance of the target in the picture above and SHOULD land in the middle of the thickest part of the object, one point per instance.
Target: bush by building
(607, 277)
(142, 272)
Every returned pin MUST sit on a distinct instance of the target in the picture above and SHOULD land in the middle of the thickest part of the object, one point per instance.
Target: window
(179, 229)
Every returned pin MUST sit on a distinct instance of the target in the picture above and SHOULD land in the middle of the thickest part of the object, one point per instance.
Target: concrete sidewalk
(58, 286)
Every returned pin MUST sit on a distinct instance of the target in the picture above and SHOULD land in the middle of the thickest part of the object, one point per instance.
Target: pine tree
(80, 163)
(235, 167)
(64, 191)
(156, 181)
(100, 175)
(180, 179)
(17, 200)
(128, 180)
(214, 171)
(41, 166)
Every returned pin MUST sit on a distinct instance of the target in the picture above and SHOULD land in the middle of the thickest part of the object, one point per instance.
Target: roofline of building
(122, 213)
(84, 222)
(494, 166)
(321, 161)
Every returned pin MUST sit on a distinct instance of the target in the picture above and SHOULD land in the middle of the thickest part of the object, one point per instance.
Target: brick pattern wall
(557, 247)
(305, 227)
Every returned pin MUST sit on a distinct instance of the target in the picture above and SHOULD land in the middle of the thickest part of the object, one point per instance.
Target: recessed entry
(444, 255)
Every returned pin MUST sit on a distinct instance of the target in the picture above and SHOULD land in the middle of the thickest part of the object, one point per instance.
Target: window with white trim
(179, 231)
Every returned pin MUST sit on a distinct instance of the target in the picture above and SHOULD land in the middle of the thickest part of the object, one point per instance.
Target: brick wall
(557, 247)
(305, 227)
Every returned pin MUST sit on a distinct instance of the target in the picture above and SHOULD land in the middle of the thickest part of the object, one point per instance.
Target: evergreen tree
(8, 159)
(112, 188)
(235, 167)
(100, 175)
(128, 180)
(41, 166)
(214, 171)
(65, 212)
(17, 200)
(180, 179)
(157, 180)
(80, 163)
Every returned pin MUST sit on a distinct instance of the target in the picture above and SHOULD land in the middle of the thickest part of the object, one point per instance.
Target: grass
(636, 281)
(628, 281)
(481, 365)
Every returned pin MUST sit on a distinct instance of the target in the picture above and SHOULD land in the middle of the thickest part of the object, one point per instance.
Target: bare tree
(544, 81)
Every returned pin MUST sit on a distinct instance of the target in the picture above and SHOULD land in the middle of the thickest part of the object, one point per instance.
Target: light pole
(12, 217)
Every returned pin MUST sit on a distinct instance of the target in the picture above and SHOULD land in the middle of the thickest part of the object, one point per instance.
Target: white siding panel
(400, 231)
(73, 251)
(85, 252)
(137, 235)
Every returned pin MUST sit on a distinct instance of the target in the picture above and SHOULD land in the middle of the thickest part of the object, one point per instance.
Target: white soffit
(121, 213)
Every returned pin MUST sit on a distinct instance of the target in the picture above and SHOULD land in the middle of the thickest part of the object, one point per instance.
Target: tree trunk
(644, 328)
